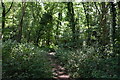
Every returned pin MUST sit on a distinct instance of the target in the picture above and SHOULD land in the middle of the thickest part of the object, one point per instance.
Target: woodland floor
(59, 72)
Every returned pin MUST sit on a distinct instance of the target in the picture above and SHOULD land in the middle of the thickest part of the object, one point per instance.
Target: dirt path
(59, 72)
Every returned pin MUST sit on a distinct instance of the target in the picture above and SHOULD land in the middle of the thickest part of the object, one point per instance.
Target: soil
(59, 72)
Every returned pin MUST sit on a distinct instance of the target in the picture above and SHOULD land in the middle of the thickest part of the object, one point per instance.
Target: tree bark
(87, 20)
(3, 15)
(104, 29)
(58, 25)
(72, 21)
(4, 12)
(113, 12)
(9, 8)
(21, 23)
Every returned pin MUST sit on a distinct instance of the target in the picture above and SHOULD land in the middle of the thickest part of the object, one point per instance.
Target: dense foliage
(24, 61)
(87, 63)
(85, 37)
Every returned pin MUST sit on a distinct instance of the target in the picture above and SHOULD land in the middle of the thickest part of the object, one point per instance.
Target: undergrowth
(24, 60)
(88, 63)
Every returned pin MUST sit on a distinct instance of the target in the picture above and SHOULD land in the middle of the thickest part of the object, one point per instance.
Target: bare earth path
(59, 72)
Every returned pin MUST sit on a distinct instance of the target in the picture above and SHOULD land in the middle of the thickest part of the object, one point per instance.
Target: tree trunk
(119, 5)
(104, 30)
(3, 18)
(38, 37)
(48, 38)
(118, 39)
(72, 22)
(87, 19)
(19, 37)
(58, 25)
(4, 12)
(113, 12)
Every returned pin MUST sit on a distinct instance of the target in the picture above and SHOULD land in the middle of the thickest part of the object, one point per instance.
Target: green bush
(7, 48)
(87, 63)
(24, 60)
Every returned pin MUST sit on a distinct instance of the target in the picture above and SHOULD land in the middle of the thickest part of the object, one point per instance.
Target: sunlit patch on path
(59, 72)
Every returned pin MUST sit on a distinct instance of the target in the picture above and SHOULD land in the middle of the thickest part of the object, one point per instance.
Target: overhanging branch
(9, 8)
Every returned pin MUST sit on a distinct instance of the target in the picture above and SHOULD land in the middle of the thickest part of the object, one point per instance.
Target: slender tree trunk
(49, 31)
(118, 38)
(38, 37)
(3, 17)
(103, 25)
(104, 39)
(119, 5)
(86, 14)
(58, 25)
(21, 23)
(113, 12)
(4, 12)
(48, 39)
(86, 11)
(72, 21)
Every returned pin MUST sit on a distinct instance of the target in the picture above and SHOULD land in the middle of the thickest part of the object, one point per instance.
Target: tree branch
(9, 8)
(97, 8)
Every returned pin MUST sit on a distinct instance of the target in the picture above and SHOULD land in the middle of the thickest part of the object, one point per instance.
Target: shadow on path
(59, 72)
